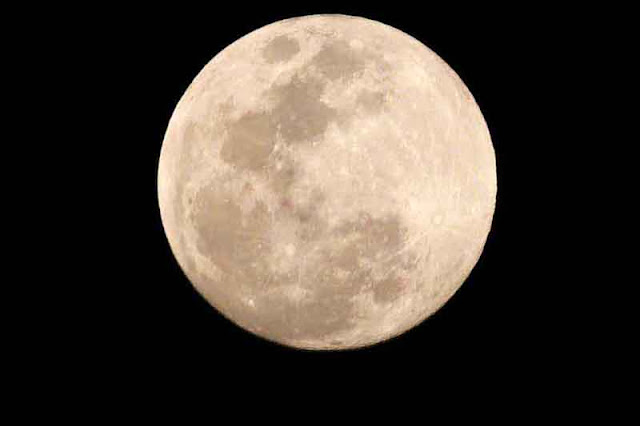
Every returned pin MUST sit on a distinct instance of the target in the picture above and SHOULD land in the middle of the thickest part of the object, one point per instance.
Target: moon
(327, 182)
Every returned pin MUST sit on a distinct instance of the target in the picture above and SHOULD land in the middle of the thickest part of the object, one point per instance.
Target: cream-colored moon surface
(327, 182)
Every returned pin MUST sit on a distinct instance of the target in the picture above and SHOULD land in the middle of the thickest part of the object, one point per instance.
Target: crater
(281, 49)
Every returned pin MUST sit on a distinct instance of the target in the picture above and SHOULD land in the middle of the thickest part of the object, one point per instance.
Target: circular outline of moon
(327, 182)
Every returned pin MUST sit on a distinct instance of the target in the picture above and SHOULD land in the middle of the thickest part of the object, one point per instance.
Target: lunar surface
(327, 182)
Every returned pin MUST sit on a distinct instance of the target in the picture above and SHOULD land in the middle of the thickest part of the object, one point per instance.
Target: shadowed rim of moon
(300, 98)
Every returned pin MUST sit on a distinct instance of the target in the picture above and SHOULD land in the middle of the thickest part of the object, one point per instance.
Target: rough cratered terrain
(327, 182)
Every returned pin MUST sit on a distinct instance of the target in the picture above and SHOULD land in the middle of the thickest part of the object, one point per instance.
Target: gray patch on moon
(250, 141)
(371, 101)
(331, 280)
(300, 115)
(229, 238)
(338, 60)
(281, 49)
(349, 262)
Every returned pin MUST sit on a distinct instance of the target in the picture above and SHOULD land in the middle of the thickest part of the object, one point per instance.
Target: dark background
(504, 321)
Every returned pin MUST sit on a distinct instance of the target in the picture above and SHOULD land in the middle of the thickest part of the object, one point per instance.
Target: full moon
(327, 182)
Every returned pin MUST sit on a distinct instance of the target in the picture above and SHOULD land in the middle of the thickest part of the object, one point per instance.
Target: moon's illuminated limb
(327, 182)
